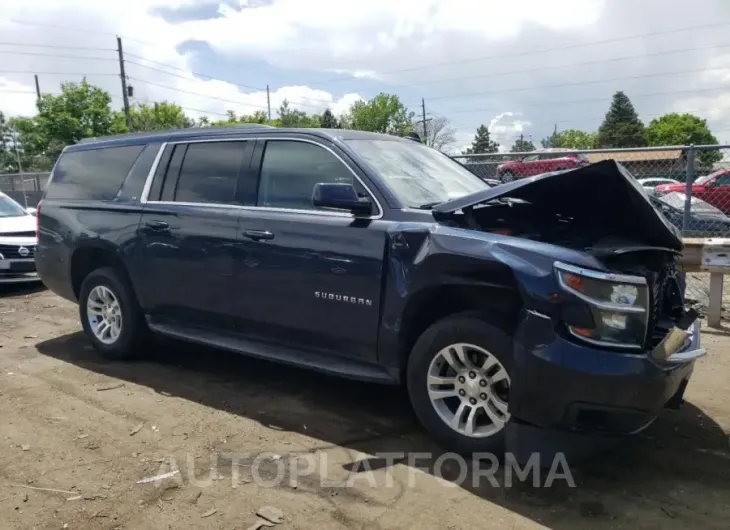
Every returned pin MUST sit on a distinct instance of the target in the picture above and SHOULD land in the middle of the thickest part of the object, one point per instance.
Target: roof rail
(143, 134)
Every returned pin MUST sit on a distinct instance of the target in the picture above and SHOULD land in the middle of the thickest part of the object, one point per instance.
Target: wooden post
(714, 311)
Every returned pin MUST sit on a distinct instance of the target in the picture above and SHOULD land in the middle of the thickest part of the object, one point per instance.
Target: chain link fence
(25, 188)
(689, 184)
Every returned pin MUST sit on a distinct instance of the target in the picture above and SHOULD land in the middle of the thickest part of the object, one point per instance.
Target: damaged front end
(635, 303)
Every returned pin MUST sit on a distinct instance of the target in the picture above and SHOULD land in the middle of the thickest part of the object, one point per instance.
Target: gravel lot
(92, 429)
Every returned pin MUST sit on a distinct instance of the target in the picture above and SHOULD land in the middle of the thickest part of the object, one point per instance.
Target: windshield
(10, 208)
(418, 175)
(704, 179)
(676, 202)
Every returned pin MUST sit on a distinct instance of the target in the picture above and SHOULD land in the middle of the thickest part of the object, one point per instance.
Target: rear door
(188, 232)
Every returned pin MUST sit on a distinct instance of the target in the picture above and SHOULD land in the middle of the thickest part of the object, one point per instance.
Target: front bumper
(18, 271)
(564, 393)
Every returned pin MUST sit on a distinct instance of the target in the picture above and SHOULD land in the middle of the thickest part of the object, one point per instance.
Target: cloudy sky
(516, 66)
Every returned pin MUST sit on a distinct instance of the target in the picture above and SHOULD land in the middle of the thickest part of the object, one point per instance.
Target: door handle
(157, 226)
(258, 235)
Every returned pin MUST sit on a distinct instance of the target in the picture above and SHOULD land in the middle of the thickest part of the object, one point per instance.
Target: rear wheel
(110, 315)
(459, 382)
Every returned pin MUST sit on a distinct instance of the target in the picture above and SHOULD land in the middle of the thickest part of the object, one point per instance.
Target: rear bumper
(565, 395)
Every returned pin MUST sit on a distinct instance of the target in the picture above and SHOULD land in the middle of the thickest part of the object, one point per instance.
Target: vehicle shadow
(684, 448)
(17, 289)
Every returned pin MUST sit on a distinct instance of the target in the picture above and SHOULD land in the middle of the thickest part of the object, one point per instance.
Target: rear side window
(93, 174)
(290, 170)
(209, 172)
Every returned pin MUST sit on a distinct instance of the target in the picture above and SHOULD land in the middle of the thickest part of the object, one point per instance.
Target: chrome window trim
(153, 170)
(151, 174)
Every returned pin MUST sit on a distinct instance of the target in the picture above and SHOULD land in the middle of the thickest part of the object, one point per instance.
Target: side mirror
(31, 211)
(340, 197)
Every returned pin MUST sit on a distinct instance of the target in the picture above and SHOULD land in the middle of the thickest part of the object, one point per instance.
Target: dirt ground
(86, 431)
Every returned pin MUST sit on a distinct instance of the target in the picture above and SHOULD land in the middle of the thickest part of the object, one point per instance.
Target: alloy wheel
(104, 314)
(469, 389)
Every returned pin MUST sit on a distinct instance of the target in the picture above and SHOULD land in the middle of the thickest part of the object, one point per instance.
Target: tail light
(502, 231)
(38, 220)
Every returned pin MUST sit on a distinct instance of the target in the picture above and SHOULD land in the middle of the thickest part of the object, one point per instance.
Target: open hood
(605, 192)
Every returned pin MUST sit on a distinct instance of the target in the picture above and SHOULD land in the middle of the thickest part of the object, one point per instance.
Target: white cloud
(150, 42)
(386, 45)
(17, 99)
(505, 129)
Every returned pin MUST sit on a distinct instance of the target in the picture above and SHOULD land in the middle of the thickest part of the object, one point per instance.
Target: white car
(17, 242)
(650, 184)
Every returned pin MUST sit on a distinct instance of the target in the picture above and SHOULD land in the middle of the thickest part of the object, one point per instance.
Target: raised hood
(605, 192)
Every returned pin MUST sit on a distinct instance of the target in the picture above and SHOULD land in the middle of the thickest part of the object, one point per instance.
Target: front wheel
(110, 315)
(508, 176)
(459, 381)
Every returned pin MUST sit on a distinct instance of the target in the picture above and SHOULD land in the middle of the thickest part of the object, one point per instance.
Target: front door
(188, 233)
(310, 277)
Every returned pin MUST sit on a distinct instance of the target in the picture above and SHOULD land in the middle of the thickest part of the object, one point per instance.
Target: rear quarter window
(92, 174)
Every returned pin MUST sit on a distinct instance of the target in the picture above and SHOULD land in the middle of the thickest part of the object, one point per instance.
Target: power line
(28, 45)
(20, 72)
(71, 28)
(217, 98)
(210, 78)
(554, 103)
(576, 83)
(188, 78)
(58, 55)
(544, 50)
(197, 93)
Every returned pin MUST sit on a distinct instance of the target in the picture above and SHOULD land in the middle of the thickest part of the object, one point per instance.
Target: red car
(540, 161)
(713, 189)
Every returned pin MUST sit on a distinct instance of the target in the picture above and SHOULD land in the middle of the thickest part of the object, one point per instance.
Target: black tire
(508, 176)
(134, 330)
(468, 327)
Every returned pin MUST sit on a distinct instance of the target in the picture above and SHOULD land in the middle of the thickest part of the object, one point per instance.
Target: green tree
(621, 127)
(328, 120)
(550, 141)
(155, 117)
(289, 117)
(385, 113)
(576, 139)
(259, 117)
(80, 111)
(8, 158)
(683, 129)
(522, 146)
(482, 143)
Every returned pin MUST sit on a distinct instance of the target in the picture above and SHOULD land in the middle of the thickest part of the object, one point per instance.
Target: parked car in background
(17, 242)
(525, 314)
(540, 161)
(713, 189)
(705, 220)
(650, 184)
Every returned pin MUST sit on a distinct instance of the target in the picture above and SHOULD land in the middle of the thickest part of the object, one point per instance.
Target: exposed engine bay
(598, 209)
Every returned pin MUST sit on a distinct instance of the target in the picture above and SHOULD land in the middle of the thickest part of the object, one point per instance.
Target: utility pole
(424, 121)
(123, 76)
(268, 102)
(37, 88)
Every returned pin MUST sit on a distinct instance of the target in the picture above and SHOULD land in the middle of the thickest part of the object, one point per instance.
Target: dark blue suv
(535, 308)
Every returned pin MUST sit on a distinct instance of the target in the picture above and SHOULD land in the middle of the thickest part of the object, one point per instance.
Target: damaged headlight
(619, 305)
